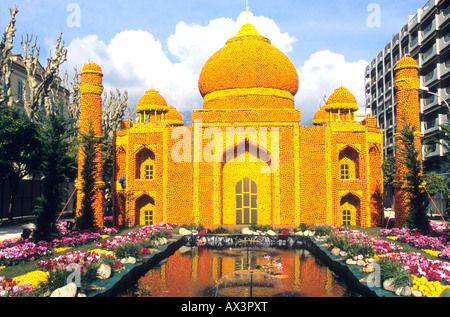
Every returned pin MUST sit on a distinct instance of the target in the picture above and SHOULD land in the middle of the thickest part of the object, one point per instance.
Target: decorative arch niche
(350, 209)
(349, 162)
(144, 210)
(145, 164)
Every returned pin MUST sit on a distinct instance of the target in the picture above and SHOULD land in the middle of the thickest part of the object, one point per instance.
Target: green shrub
(128, 249)
(341, 242)
(390, 268)
(219, 230)
(303, 227)
(324, 230)
(255, 227)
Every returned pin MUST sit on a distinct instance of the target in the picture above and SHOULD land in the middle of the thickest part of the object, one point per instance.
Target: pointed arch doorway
(246, 190)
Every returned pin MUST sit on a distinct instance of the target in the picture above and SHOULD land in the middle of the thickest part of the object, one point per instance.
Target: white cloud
(135, 61)
(324, 72)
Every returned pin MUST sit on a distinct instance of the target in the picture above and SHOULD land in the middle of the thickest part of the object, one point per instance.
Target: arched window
(246, 202)
(350, 209)
(120, 163)
(144, 210)
(145, 164)
(349, 163)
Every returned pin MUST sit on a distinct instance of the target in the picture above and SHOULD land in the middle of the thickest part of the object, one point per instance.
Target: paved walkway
(14, 231)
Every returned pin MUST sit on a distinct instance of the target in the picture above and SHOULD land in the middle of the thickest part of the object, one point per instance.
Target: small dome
(321, 116)
(248, 72)
(152, 100)
(91, 68)
(406, 62)
(341, 98)
(91, 74)
(173, 117)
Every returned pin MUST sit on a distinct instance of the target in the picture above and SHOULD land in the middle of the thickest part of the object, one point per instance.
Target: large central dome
(248, 72)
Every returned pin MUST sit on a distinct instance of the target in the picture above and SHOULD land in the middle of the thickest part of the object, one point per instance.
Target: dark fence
(26, 199)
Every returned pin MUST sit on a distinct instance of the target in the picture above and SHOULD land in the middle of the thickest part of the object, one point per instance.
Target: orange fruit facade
(246, 158)
(91, 116)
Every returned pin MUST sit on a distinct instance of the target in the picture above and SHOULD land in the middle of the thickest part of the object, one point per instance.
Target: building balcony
(414, 22)
(443, 18)
(404, 32)
(429, 102)
(428, 31)
(413, 43)
(426, 10)
(444, 68)
(431, 126)
(444, 42)
(428, 55)
(431, 150)
(445, 93)
(429, 78)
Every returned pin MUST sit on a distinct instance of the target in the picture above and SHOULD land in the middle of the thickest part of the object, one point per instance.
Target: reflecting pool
(241, 272)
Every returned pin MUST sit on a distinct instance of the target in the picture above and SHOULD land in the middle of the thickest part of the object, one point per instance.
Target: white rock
(103, 271)
(360, 257)
(271, 233)
(389, 285)
(416, 293)
(360, 262)
(69, 290)
(128, 260)
(350, 262)
(299, 233)
(185, 232)
(335, 251)
(343, 253)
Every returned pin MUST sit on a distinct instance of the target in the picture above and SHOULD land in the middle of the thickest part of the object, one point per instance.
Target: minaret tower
(91, 89)
(407, 85)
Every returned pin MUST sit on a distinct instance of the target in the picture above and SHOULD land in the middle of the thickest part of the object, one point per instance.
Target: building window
(345, 171)
(349, 163)
(346, 218)
(246, 202)
(148, 217)
(20, 90)
(148, 172)
(145, 160)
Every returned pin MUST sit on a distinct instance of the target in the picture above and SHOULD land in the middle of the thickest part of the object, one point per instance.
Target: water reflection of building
(329, 173)
(187, 275)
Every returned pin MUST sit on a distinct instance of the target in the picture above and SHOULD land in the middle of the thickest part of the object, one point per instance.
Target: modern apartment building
(426, 38)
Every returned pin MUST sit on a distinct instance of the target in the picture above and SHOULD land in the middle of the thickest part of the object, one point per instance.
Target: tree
(410, 156)
(89, 145)
(57, 164)
(40, 83)
(435, 184)
(6, 45)
(19, 149)
(388, 178)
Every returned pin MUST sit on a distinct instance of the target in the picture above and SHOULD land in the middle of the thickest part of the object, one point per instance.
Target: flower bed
(135, 236)
(437, 240)
(17, 251)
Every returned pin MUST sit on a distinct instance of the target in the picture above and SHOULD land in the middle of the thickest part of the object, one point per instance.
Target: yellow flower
(57, 250)
(34, 277)
(2, 267)
(101, 251)
(432, 252)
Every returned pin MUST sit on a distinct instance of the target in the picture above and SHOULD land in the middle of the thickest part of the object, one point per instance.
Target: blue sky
(329, 41)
